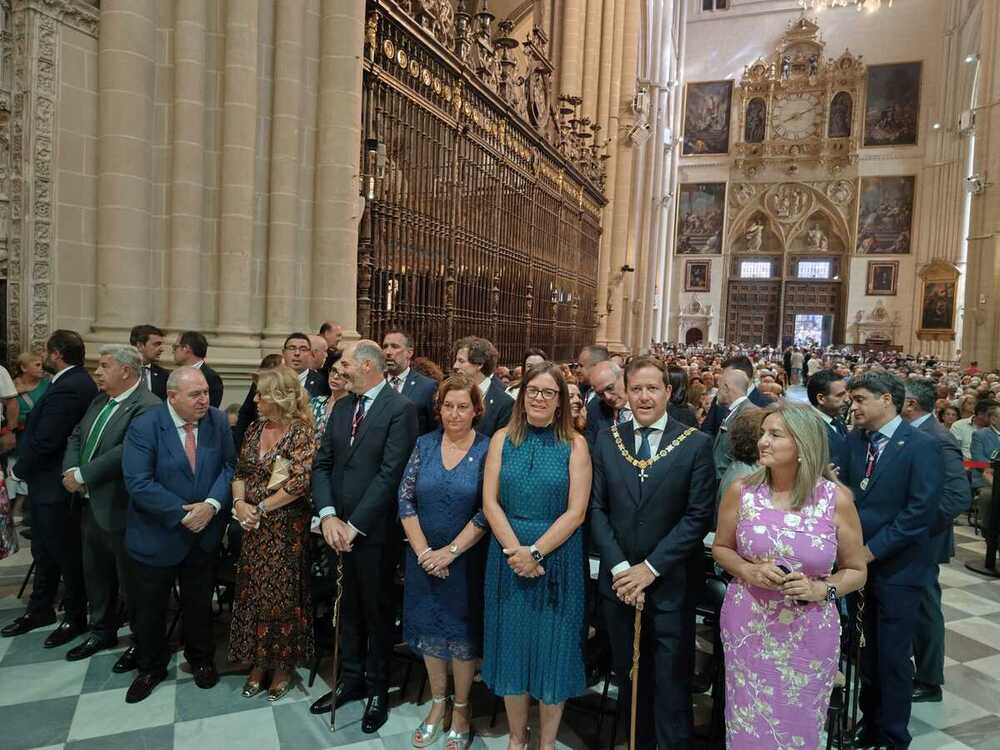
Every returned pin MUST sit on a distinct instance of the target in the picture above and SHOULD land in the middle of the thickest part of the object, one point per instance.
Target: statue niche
(841, 114)
(753, 131)
(817, 236)
(757, 236)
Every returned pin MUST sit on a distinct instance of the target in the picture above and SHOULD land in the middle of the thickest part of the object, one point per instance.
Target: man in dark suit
(55, 515)
(332, 332)
(928, 636)
(717, 412)
(356, 475)
(476, 358)
(650, 510)
(149, 341)
(190, 350)
(589, 357)
(92, 468)
(397, 346)
(733, 386)
(827, 392)
(896, 473)
(178, 464)
(297, 353)
(610, 404)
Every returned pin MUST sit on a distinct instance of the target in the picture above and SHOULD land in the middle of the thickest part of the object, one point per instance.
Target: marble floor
(47, 702)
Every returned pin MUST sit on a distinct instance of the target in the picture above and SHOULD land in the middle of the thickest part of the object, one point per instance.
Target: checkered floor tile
(47, 702)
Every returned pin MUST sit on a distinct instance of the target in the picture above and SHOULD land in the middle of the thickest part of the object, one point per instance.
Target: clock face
(796, 116)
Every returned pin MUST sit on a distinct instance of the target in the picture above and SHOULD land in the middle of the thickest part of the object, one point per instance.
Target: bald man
(733, 385)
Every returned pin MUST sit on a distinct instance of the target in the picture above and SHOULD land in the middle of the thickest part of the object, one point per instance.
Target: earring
(800, 459)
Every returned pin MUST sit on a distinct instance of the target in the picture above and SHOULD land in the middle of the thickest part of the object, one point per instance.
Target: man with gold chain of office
(652, 502)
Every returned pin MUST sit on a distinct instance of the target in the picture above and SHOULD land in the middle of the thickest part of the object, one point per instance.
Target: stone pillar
(338, 204)
(283, 234)
(571, 60)
(185, 271)
(239, 136)
(126, 75)
(622, 186)
(592, 59)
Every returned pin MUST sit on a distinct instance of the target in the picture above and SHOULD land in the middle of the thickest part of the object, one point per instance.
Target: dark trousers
(367, 615)
(55, 548)
(105, 570)
(928, 635)
(149, 590)
(665, 718)
(889, 621)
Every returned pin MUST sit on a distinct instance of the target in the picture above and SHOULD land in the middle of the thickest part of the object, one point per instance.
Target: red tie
(189, 445)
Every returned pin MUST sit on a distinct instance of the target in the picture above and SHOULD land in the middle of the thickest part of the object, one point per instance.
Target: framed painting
(892, 105)
(937, 301)
(701, 210)
(885, 215)
(883, 276)
(697, 275)
(707, 115)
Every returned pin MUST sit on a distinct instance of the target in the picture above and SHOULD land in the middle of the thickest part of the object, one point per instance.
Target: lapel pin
(900, 442)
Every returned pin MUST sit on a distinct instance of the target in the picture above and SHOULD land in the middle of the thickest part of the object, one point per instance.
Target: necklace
(644, 464)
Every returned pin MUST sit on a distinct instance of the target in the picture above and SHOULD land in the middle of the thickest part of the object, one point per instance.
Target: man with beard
(397, 346)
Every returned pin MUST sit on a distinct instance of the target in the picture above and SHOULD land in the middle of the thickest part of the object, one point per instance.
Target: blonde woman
(272, 611)
(780, 532)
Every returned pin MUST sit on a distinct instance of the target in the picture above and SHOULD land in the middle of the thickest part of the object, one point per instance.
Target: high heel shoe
(277, 692)
(427, 733)
(251, 688)
(458, 740)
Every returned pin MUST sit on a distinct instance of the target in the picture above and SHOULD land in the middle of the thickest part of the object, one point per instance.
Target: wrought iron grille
(475, 224)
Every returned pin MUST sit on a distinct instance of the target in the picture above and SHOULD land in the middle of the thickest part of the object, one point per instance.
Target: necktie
(149, 377)
(190, 448)
(874, 441)
(624, 415)
(645, 452)
(395, 382)
(90, 444)
(359, 415)
(840, 427)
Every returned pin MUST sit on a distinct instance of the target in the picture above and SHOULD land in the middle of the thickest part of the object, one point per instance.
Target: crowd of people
(485, 491)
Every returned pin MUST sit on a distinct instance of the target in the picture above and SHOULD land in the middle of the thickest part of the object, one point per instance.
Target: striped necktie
(90, 444)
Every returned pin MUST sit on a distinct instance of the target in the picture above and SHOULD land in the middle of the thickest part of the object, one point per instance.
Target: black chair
(842, 715)
(709, 608)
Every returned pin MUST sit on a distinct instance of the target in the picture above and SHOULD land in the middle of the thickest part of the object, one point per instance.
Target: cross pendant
(643, 476)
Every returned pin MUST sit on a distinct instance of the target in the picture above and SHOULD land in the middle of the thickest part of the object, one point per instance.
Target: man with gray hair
(733, 386)
(92, 468)
(356, 476)
(928, 634)
(610, 404)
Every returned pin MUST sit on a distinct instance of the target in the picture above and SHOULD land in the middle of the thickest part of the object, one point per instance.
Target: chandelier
(859, 5)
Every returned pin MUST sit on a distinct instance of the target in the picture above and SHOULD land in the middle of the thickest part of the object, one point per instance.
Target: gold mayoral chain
(646, 463)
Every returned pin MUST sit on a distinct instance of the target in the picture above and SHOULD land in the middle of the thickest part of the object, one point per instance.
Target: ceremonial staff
(634, 674)
(336, 636)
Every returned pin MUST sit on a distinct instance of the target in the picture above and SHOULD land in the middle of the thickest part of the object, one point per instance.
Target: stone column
(571, 50)
(338, 203)
(126, 75)
(283, 239)
(239, 136)
(622, 233)
(185, 271)
(592, 59)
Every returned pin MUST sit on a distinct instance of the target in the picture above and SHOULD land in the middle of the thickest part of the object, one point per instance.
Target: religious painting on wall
(885, 215)
(700, 215)
(697, 276)
(882, 278)
(938, 308)
(706, 118)
(892, 108)
(841, 114)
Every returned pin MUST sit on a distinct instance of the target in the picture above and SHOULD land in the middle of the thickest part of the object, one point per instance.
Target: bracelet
(263, 507)
(421, 555)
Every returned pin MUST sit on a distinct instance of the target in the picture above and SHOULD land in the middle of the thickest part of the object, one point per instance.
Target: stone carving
(840, 191)
(754, 236)
(788, 202)
(816, 239)
(80, 15)
(744, 193)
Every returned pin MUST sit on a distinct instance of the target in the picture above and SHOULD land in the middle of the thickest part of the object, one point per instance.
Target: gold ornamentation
(402, 59)
(644, 464)
(414, 68)
(425, 76)
(446, 92)
(437, 86)
(389, 49)
(372, 32)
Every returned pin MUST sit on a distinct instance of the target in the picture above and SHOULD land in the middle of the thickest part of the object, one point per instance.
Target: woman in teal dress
(536, 487)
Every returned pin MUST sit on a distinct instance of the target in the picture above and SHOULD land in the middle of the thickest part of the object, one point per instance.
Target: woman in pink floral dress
(780, 532)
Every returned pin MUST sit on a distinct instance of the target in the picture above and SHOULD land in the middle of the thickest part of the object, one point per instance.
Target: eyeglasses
(546, 394)
(460, 408)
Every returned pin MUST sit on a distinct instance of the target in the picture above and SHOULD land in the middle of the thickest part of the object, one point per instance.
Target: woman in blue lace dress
(536, 487)
(440, 506)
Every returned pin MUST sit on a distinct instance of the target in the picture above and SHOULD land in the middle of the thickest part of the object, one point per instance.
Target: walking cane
(336, 636)
(634, 674)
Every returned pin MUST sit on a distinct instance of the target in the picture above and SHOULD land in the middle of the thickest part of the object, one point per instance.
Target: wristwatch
(535, 554)
(453, 549)
(831, 594)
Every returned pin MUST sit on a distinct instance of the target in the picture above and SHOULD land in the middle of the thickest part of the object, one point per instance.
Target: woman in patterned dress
(321, 406)
(780, 532)
(536, 488)
(272, 611)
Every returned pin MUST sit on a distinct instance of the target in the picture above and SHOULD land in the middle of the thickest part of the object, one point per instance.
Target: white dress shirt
(59, 374)
(485, 385)
(655, 433)
(402, 379)
(181, 434)
(303, 376)
(117, 401)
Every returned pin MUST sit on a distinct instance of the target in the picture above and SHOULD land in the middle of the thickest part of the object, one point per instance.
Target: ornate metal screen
(475, 223)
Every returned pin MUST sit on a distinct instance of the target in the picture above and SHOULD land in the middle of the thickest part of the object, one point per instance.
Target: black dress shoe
(926, 693)
(345, 694)
(126, 662)
(67, 631)
(26, 623)
(143, 685)
(376, 713)
(89, 647)
(205, 676)
(867, 736)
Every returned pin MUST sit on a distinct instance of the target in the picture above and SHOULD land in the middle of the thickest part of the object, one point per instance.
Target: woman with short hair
(272, 627)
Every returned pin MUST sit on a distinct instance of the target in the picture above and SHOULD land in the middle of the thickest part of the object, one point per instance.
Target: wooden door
(752, 312)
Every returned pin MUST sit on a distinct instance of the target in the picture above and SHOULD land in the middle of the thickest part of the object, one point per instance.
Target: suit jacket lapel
(893, 449)
(371, 412)
(173, 441)
(658, 471)
(631, 472)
